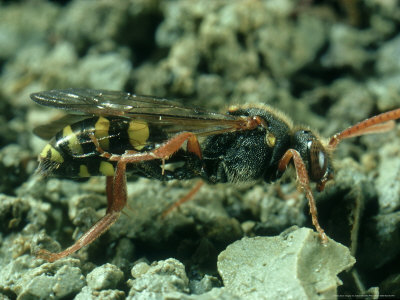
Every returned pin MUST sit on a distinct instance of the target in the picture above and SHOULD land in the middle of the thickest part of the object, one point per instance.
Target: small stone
(139, 269)
(104, 277)
(67, 280)
(162, 278)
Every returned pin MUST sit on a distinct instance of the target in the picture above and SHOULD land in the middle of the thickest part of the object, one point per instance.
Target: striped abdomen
(72, 153)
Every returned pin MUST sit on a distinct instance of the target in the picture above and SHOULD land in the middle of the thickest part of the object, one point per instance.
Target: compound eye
(318, 160)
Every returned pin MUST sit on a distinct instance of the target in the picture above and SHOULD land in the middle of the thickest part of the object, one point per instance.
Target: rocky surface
(325, 64)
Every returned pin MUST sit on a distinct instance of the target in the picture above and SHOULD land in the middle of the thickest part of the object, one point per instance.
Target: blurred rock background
(326, 64)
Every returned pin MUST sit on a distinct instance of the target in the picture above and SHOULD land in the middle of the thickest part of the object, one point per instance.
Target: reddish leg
(304, 182)
(163, 152)
(184, 199)
(193, 146)
(116, 188)
(116, 200)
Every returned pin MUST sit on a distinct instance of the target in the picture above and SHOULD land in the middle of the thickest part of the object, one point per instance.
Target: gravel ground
(326, 64)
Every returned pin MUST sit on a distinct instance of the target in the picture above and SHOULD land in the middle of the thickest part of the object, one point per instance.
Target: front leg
(304, 182)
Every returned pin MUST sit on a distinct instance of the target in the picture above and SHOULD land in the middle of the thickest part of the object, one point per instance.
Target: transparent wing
(48, 130)
(171, 114)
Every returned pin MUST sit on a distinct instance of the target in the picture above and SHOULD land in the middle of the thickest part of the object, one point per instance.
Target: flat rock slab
(294, 265)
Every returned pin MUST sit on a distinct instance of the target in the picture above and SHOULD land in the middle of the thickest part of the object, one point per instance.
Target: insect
(113, 134)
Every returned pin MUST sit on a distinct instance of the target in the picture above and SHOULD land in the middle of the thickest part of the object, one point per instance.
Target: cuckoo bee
(113, 134)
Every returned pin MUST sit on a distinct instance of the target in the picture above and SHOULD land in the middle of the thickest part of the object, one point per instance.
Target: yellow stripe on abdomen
(52, 154)
(73, 143)
(101, 129)
(106, 168)
(138, 132)
(83, 171)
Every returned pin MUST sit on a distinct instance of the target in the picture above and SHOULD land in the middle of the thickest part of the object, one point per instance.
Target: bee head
(315, 155)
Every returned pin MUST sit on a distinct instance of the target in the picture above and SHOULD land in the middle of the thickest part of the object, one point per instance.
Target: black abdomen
(72, 153)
